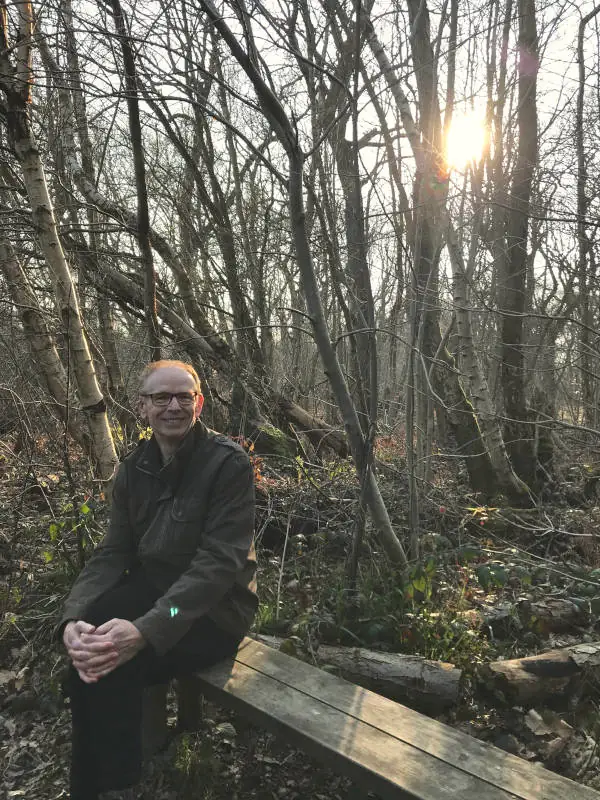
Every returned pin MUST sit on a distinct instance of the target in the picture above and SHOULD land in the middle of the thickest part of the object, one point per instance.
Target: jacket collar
(172, 472)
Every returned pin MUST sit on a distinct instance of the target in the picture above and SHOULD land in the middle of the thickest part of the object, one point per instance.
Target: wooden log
(320, 434)
(412, 680)
(557, 673)
(549, 615)
(552, 615)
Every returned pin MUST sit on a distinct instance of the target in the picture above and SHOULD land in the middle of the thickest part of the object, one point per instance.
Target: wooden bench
(386, 747)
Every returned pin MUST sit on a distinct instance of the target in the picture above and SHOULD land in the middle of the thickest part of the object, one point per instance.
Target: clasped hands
(97, 651)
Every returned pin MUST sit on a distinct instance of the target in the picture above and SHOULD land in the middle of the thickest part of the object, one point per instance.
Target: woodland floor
(474, 559)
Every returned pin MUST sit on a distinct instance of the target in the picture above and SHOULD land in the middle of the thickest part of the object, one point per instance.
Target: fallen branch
(561, 673)
(413, 680)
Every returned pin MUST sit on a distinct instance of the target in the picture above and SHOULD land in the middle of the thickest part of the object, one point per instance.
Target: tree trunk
(361, 308)
(518, 433)
(463, 423)
(586, 276)
(25, 147)
(106, 323)
(42, 344)
(321, 435)
(476, 381)
(286, 134)
(139, 164)
(460, 411)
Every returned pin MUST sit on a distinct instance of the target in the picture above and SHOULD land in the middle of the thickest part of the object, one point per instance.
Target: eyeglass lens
(164, 398)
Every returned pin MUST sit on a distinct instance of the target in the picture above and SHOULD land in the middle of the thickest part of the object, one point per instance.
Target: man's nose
(174, 399)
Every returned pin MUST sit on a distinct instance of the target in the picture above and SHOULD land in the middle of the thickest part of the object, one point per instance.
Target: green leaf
(53, 531)
(484, 576)
(499, 575)
(85, 509)
(430, 566)
(468, 553)
(47, 556)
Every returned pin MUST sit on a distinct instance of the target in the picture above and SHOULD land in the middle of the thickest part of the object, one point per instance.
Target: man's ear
(140, 409)
(199, 404)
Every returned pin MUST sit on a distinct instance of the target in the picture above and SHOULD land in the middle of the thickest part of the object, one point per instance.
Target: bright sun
(465, 140)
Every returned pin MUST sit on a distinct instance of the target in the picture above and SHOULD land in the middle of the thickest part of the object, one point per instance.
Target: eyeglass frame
(192, 395)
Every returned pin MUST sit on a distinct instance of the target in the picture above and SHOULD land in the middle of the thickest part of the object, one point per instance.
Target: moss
(269, 440)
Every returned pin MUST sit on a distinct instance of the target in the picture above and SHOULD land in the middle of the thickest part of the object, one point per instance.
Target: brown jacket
(189, 525)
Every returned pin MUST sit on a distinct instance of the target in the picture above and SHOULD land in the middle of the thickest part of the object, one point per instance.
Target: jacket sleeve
(221, 556)
(113, 556)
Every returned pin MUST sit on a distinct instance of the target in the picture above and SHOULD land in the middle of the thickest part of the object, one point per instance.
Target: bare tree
(16, 81)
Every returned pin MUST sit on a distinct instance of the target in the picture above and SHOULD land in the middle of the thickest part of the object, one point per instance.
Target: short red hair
(150, 368)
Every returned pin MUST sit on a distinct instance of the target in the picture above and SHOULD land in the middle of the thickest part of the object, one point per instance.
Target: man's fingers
(106, 627)
(92, 655)
(84, 658)
(86, 678)
(93, 674)
(84, 627)
(94, 643)
(94, 662)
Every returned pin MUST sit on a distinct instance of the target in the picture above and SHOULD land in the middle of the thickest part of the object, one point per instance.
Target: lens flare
(465, 140)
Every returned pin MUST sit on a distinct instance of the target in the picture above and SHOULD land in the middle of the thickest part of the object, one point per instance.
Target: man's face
(173, 421)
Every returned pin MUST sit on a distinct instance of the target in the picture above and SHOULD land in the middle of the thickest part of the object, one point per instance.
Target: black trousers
(107, 715)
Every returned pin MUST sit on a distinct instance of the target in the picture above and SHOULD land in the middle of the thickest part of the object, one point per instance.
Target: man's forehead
(172, 379)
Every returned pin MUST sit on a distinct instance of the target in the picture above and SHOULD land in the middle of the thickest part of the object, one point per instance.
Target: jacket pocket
(186, 525)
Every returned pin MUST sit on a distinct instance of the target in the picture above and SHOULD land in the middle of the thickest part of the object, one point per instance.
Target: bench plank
(365, 753)
(394, 750)
(463, 752)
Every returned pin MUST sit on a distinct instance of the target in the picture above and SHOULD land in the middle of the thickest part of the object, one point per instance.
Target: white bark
(40, 340)
(88, 390)
(44, 222)
(471, 370)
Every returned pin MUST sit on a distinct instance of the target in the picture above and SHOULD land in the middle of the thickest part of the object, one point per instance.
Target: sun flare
(465, 140)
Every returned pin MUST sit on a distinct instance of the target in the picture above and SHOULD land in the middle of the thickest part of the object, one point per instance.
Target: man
(172, 586)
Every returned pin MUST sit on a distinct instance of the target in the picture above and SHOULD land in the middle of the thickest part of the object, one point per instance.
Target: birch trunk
(42, 212)
(477, 383)
(106, 324)
(41, 342)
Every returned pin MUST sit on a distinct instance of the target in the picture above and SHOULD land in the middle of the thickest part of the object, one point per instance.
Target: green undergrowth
(414, 612)
(438, 607)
